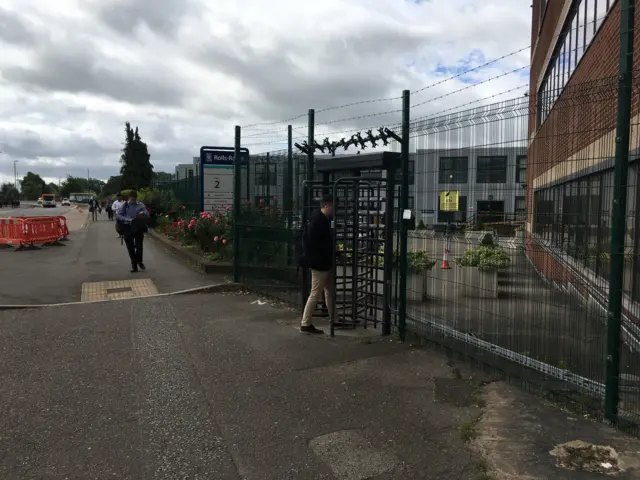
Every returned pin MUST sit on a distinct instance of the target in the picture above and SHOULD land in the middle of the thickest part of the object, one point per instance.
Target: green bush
(419, 262)
(485, 258)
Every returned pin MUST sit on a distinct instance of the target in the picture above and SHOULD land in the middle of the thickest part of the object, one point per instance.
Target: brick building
(573, 105)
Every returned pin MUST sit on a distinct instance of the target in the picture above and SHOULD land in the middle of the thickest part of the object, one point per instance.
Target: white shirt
(116, 205)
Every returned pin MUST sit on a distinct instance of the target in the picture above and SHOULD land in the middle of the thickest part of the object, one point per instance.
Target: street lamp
(15, 174)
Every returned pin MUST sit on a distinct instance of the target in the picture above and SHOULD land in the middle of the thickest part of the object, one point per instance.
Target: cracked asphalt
(218, 386)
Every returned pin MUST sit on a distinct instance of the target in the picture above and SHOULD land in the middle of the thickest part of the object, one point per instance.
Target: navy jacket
(318, 243)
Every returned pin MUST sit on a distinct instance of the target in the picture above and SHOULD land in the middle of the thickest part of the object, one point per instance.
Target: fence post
(268, 179)
(618, 218)
(288, 196)
(236, 207)
(306, 196)
(404, 224)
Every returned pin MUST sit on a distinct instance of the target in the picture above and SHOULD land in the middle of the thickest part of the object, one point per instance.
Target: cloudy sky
(186, 71)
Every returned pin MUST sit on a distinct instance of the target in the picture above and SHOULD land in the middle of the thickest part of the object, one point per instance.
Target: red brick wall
(585, 111)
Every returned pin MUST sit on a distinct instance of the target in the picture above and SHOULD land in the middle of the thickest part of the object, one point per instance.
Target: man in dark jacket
(133, 216)
(318, 257)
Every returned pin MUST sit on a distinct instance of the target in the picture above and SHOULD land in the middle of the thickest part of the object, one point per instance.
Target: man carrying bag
(133, 217)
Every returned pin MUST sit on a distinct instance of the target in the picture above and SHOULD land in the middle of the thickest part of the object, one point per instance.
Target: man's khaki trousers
(319, 281)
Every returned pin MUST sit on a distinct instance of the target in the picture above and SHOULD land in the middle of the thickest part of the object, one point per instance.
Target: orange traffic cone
(445, 260)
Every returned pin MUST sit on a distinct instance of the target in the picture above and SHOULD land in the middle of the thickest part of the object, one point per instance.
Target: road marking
(118, 290)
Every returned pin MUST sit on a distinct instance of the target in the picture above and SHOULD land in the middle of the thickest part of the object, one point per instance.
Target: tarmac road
(30, 211)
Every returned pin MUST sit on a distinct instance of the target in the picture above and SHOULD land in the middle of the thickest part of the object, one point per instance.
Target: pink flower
(215, 222)
(275, 198)
(261, 202)
(215, 239)
(228, 209)
(224, 241)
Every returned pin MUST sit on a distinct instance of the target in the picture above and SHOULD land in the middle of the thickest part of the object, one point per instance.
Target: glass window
(453, 170)
(569, 54)
(574, 41)
(264, 176)
(580, 30)
(521, 208)
(590, 21)
(601, 9)
(491, 169)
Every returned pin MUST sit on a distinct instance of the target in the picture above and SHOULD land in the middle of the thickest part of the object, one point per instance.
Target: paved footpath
(224, 387)
(92, 256)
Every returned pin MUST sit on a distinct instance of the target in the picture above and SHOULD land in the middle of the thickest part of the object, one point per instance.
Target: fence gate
(359, 229)
(363, 191)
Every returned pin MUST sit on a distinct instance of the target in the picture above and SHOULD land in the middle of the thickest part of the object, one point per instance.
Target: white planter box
(420, 287)
(479, 284)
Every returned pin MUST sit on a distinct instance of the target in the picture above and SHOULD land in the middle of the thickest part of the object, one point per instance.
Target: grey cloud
(349, 68)
(163, 17)
(13, 29)
(75, 69)
(30, 145)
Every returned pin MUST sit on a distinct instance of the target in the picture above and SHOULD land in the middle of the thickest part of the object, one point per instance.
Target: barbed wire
(427, 87)
(460, 74)
(349, 132)
(469, 86)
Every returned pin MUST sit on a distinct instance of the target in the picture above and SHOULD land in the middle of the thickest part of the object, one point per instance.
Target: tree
(32, 186)
(51, 188)
(8, 193)
(112, 186)
(162, 177)
(136, 170)
(80, 185)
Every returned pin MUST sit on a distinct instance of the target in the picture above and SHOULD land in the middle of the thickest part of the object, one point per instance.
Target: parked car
(66, 202)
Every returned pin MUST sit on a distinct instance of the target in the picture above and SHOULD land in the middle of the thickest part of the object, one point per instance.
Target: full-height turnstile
(363, 189)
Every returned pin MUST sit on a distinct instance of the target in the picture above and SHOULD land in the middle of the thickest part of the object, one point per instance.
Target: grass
(469, 431)
(482, 470)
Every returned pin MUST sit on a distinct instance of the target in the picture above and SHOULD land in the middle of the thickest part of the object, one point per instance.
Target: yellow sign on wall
(449, 201)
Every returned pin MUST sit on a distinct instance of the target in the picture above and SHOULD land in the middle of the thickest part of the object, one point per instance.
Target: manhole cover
(579, 455)
(118, 290)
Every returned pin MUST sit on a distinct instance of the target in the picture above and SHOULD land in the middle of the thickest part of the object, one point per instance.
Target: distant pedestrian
(114, 207)
(317, 246)
(448, 236)
(93, 208)
(109, 207)
(134, 217)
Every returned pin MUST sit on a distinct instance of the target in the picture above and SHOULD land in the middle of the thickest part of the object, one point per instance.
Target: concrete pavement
(94, 254)
(224, 387)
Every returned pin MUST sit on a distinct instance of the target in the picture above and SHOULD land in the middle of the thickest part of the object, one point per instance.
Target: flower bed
(209, 233)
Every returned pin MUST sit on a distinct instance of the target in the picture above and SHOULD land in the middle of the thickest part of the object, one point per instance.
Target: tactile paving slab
(118, 290)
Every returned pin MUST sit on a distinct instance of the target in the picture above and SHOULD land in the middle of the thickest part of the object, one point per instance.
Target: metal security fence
(270, 216)
(514, 230)
(521, 233)
(185, 191)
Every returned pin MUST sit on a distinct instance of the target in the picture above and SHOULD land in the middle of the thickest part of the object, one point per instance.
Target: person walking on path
(448, 235)
(133, 216)
(115, 207)
(317, 246)
(93, 208)
(109, 208)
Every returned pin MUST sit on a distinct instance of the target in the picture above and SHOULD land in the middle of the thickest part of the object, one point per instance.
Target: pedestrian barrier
(23, 232)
